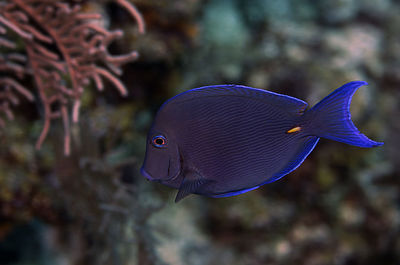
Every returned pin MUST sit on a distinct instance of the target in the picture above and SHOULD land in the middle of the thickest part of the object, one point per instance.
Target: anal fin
(307, 146)
(233, 193)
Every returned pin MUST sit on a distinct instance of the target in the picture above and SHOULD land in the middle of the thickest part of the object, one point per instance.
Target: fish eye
(159, 141)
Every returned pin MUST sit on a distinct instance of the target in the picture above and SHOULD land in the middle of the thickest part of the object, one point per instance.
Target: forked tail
(331, 118)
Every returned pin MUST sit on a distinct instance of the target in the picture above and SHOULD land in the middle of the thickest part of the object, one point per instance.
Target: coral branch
(75, 110)
(15, 28)
(135, 13)
(10, 65)
(67, 137)
(118, 84)
(22, 90)
(7, 43)
(37, 34)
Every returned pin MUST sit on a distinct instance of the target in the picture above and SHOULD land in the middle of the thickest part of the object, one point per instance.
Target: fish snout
(147, 175)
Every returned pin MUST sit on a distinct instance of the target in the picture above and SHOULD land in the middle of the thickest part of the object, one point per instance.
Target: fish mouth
(147, 175)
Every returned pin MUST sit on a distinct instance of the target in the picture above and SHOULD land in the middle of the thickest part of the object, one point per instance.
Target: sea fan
(66, 50)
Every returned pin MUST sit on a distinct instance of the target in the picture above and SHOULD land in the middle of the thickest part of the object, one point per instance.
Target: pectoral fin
(189, 186)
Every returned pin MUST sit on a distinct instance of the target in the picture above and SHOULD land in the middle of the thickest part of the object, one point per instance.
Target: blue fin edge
(233, 193)
(309, 146)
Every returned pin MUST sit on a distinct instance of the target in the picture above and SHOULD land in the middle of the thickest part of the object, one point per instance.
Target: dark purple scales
(225, 140)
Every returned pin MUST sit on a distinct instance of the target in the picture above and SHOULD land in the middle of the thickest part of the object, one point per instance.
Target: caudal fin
(331, 118)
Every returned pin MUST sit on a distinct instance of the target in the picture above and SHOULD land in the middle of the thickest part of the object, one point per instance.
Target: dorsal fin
(288, 103)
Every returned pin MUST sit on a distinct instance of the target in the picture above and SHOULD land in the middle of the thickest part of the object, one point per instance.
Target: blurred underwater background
(341, 206)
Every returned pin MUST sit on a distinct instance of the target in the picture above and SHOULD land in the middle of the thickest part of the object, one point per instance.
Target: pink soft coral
(66, 49)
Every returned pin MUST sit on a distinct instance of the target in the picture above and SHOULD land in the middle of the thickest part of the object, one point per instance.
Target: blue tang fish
(225, 140)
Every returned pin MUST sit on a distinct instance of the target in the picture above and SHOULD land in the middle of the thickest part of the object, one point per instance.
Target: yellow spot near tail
(295, 129)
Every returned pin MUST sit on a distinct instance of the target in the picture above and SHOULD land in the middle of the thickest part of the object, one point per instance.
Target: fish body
(225, 140)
